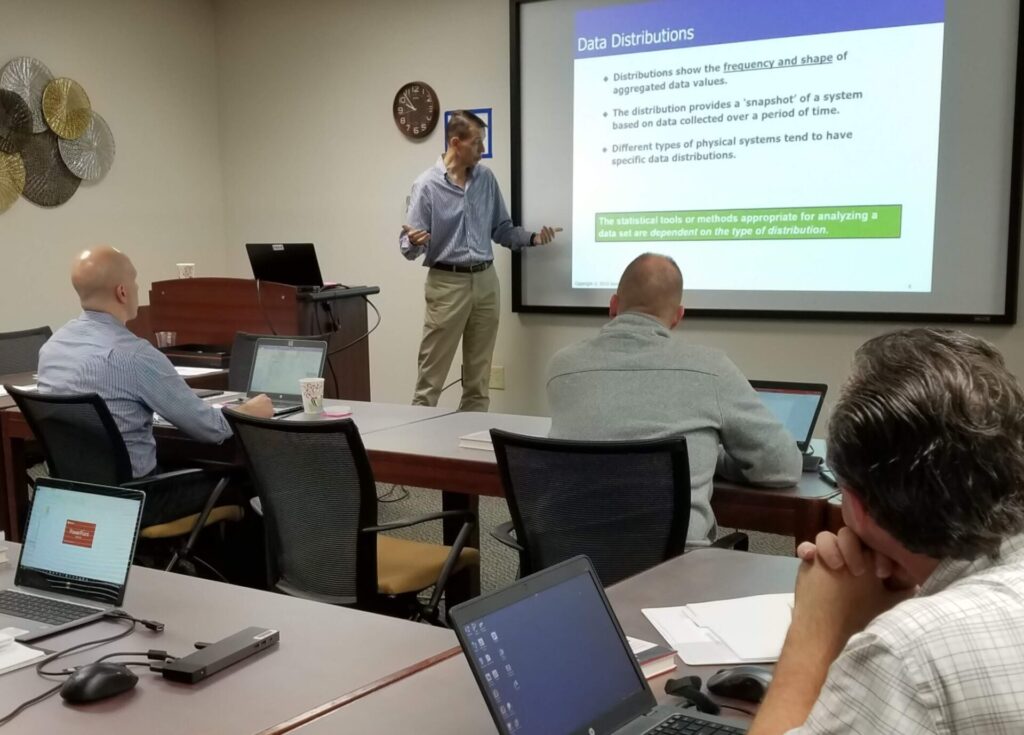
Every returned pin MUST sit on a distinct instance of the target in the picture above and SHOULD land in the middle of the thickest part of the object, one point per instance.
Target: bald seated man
(633, 380)
(95, 353)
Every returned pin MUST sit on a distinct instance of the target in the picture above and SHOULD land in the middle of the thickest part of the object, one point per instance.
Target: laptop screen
(553, 661)
(80, 542)
(795, 405)
(278, 366)
(291, 263)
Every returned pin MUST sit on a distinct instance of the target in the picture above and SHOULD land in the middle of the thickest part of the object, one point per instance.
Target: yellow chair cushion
(184, 526)
(411, 566)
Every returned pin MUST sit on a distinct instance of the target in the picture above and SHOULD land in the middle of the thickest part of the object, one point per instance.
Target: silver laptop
(73, 569)
(549, 657)
(279, 364)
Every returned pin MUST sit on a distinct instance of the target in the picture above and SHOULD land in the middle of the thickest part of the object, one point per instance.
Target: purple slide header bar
(711, 22)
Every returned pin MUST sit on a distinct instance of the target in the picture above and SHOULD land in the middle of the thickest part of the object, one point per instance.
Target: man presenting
(455, 211)
(927, 442)
(634, 381)
(96, 353)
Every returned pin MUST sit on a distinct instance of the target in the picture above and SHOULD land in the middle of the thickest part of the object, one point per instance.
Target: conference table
(327, 656)
(444, 698)
(335, 669)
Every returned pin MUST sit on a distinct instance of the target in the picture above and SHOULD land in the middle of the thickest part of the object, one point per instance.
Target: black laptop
(73, 568)
(291, 263)
(549, 657)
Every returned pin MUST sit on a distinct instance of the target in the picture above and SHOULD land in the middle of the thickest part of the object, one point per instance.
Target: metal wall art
(50, 138)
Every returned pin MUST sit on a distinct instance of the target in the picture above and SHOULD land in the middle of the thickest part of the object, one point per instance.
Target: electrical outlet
(498, 377)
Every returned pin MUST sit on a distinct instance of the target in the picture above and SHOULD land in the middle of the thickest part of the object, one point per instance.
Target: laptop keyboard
(42, 609)
(684, 725)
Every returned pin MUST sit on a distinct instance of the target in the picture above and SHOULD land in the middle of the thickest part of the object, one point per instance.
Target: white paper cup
(312, 390)
(186, 270)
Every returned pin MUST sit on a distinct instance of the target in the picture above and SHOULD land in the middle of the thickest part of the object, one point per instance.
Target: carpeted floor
(499, 563)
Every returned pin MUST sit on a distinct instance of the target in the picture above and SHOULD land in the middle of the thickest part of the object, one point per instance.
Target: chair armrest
(466, 515)
(504, 533)
(162, 477)
(736, 540)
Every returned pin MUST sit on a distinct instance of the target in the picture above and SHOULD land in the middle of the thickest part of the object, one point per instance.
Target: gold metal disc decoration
(90, 156)
(12, 179)
(66, 108)
(27, 78)
(15, 122)
(48, 182)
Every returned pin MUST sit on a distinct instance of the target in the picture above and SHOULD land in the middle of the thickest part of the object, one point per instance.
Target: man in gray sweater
(634, 381)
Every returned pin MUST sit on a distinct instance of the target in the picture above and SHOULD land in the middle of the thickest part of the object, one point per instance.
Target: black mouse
(93, 682)
(748, 683)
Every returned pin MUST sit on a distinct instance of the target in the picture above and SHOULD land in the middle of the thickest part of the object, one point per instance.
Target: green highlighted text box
(789, 223)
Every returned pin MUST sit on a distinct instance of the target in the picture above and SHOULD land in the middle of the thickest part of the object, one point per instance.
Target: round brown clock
(416, 110)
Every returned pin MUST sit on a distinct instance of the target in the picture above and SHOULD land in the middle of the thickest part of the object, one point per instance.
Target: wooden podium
(211, 310)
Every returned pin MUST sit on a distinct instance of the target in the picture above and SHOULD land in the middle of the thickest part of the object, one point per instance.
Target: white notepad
(738, 631)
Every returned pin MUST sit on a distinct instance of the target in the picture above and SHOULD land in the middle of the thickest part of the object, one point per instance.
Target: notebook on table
(549, 657)
(73, 568)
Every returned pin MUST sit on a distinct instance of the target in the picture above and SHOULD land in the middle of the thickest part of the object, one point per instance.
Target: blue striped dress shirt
(461, 222)
(96, 353)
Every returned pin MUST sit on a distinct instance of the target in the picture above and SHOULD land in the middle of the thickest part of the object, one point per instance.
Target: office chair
(319, 505)
(624, 504)
(81, 442)
(19, 351)
(243, 350)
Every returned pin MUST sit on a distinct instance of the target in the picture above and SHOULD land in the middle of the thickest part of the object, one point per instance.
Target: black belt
(452, 268)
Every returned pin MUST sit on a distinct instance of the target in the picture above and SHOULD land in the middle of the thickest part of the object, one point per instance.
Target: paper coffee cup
(186, 270)
(312, 390)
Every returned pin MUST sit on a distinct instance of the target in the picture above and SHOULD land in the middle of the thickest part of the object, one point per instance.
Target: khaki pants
(459, 306)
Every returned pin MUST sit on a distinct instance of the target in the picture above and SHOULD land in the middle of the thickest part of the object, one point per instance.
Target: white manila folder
(738, 631)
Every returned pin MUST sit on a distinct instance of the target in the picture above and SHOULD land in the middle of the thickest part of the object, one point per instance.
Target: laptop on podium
(73, 568)
(291, 263)
(549, 657)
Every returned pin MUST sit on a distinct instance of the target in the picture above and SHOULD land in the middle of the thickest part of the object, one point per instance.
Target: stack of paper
(15, 655)
(191, 372)
(19, 387)
(744, 630)
(477, 440)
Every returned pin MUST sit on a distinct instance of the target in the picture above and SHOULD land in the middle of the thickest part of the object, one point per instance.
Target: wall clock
(416, 110)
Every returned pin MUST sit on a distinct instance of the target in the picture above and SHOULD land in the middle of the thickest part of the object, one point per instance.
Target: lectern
(211, 310)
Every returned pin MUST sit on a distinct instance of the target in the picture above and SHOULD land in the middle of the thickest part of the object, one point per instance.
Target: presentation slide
(795, 157)
(680, 110)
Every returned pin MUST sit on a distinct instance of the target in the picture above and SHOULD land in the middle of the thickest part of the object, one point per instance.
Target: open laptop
(279, 364)
(550, 657)
(292, 263)
(73, 569)
(796, 406)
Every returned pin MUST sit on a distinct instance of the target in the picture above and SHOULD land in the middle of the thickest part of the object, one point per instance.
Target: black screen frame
(1009, 315)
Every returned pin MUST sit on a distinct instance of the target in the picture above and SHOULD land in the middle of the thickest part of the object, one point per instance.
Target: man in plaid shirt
(911, 619)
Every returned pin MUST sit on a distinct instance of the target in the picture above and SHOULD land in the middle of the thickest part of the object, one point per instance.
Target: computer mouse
(93, 682)
(748, 683)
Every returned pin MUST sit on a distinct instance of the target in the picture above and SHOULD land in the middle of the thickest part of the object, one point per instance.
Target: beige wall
(290, 104)
(149, 69)
(310, 152)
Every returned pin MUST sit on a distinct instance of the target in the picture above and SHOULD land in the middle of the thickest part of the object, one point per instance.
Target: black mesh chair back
(19, 351)
(626, 505)
(316, 487)
(80, 440)
(243, 350)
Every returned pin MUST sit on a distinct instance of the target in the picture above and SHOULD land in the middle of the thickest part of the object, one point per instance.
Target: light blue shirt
(96, 353)
(461, 222)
